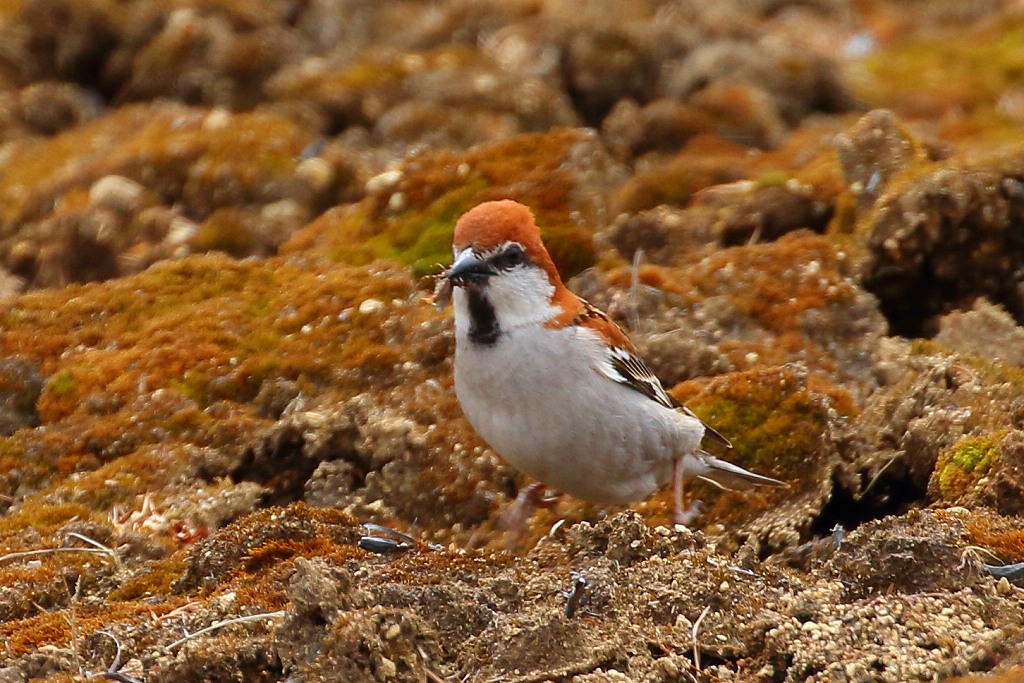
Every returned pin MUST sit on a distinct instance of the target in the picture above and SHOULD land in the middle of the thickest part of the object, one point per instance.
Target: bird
(554, 386)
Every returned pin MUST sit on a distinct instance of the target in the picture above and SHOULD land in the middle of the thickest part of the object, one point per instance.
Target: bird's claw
(530, 497)
(687, 515)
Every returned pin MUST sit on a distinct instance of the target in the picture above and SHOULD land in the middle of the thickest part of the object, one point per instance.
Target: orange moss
(1002, 535)
(81, 442)
(704, 162)
(269, 536)
(13, 575)
(122, 481)
(1013, 675)
(225, 230)
(29, 589)
(155, 579)
(165, 145)
(265, 592)
(797, 288)
(24, 636)
(10, 8)
(662, 278)
(275, 551)
(805, 156)
(271, 562)
(809, 157)
(136, 361)
(966, 79)
(44, 519)
(253, 556)
(844, 220)
(776, 420)
(261, 581)
(12, 457)
(376, 73)
(778, 423)
(775, 283)
(242, 321)
(437, 188)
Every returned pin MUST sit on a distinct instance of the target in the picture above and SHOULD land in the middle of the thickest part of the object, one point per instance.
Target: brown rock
(986, 331)
(945, 235)
(872, 151)
(920, 552)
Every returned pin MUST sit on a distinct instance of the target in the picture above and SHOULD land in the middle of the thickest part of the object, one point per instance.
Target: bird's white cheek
(521, 297)
(460, 309)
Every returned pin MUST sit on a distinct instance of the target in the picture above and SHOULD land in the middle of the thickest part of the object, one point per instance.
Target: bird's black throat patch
(483, 325)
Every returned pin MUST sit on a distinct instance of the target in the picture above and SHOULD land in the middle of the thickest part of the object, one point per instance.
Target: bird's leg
(681, 513)
(531, 497)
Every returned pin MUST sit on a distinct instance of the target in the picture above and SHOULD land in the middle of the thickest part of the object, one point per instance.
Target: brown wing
(627, 368)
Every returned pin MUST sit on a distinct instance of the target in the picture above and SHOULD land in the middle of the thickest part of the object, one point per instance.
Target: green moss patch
(777, 421)
(961, 465)
(437, 188)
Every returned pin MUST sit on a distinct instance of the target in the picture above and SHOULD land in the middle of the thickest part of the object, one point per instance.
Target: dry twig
(221, 624)
(693, 633)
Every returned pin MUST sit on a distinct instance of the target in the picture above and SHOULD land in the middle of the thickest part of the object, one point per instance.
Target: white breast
(537, 399)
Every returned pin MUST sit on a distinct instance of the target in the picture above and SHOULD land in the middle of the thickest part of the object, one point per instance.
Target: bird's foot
(531, 497)
(685, 516)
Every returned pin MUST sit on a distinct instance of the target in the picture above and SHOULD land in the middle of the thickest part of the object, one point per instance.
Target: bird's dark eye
(509, 257)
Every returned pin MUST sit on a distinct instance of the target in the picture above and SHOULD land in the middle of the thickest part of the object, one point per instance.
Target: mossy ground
(207, 329)
(142, 371)
(779, 419)
(163, 145)
(148, 378)
(1000, 536)
(973, 71)
(435, 189)
(159, 389)
(961, 465)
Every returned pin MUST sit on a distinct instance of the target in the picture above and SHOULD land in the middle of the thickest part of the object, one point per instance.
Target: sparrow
(553, 385)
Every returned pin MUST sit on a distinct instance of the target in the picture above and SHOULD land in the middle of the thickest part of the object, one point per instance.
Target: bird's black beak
(469, 271)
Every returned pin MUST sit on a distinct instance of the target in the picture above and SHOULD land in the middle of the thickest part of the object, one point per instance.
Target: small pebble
(370, 306)
(383, 181)
(387, 668)
(218, 119)
(116, 192)
(319, 173)
(181, 231)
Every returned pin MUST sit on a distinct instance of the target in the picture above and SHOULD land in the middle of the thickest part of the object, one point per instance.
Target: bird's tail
(725, 475)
